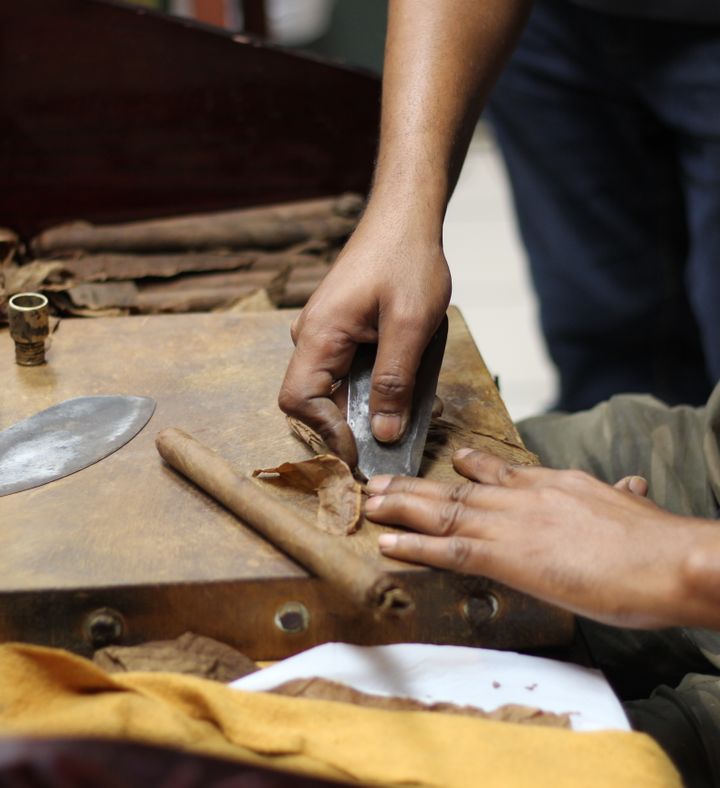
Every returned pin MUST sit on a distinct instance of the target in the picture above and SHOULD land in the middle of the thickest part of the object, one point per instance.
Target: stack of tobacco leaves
(242, 260)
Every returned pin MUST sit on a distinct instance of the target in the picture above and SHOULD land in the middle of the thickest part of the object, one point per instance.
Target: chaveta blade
(67, 438)
(405, 456)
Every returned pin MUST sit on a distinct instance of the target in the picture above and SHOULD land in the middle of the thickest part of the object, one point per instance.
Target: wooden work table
(128, 551)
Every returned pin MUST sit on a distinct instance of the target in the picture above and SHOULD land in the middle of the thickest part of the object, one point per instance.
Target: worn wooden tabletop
(130, 522)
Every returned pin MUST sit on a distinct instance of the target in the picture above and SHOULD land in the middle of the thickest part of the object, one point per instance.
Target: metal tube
(29, 327)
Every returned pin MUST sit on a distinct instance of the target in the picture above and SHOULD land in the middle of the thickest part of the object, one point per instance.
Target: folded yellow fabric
(47, 692)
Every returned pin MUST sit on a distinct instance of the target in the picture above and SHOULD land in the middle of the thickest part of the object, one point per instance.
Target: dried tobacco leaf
(307, 435)
(322, 689)
(339, 507)
(28, 277)
(191, 654)
(259, 301)
(266, 227)
(9, 243)
(446, 437)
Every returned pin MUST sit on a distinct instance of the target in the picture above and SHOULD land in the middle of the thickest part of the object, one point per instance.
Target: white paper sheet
(465, 676)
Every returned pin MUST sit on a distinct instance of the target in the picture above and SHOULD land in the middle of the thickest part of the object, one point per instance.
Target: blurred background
(491, 283)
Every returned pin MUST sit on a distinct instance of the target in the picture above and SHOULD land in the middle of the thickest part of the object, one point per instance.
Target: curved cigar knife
(405, 456)
(67, 438)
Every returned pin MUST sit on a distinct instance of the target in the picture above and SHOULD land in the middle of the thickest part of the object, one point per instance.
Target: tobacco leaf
(102, 267)
(339, 495)
(188, 293)
(9, 243)
(307, 435)
(445, 437)
(105, 295)
(322, 689)
(267, 227)
(28, 277)
(86, 267)
(191, 654)
(259, 301)
(216, 280)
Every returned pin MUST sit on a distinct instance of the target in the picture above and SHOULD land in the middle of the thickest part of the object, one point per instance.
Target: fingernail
(374, 503)
(637, 485)
(378, 484)
(387, 541)
(460, 453)
(386, 427)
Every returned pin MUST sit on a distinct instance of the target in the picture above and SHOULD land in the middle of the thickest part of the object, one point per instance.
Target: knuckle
(331, 344)
(398, 502)
(413, 544)
(578, 477)
(508, 474)
(460, 492)
(551, 498)
(448, 518)
(403, 484)
(290, 401)
(391, 384)
(458, 552)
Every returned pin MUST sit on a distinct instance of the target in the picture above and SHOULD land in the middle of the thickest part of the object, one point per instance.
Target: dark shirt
(679, 10)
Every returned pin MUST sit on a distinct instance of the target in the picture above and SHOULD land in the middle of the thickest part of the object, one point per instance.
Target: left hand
(562, 536)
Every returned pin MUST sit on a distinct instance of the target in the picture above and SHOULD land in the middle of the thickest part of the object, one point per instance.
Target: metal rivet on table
(292, 617)
(103, 627)
(480, 609)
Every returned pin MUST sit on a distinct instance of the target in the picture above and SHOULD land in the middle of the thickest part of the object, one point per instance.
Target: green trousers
(669, 679)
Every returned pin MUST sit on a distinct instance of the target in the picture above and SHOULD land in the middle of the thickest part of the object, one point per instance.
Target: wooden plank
(128, 531)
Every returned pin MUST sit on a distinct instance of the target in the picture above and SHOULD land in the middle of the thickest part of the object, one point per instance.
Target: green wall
(357, 33)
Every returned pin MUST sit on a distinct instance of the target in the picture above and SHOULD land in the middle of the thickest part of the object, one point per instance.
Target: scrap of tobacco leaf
(339, 495)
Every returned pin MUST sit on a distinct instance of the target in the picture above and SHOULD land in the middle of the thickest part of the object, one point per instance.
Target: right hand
(388, 286)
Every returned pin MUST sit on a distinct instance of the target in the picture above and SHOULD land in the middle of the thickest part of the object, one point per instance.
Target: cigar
(360, 580)
(268, 227)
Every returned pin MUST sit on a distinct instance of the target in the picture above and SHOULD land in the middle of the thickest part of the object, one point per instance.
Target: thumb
(636, 485)
(400, 348)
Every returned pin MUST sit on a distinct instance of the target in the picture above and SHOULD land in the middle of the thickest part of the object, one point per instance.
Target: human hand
(389, 286)
(562, 536)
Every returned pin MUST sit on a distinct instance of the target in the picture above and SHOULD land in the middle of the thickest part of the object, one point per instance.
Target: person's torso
(679, 10)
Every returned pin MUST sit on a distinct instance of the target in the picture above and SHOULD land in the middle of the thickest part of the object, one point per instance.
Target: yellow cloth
(47, 692)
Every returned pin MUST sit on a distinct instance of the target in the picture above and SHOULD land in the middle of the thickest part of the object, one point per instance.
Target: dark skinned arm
(391, 283)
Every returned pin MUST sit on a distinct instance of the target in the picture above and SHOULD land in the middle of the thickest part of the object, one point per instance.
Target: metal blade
(405, 456)
(67, 438)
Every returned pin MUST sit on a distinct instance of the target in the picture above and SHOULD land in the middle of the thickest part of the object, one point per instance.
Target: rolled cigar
(117, 267)
(269, 227)
(101, 267)
(297, 294)
(360, 580)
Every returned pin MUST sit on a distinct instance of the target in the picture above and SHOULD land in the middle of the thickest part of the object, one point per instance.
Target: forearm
(441, 61)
